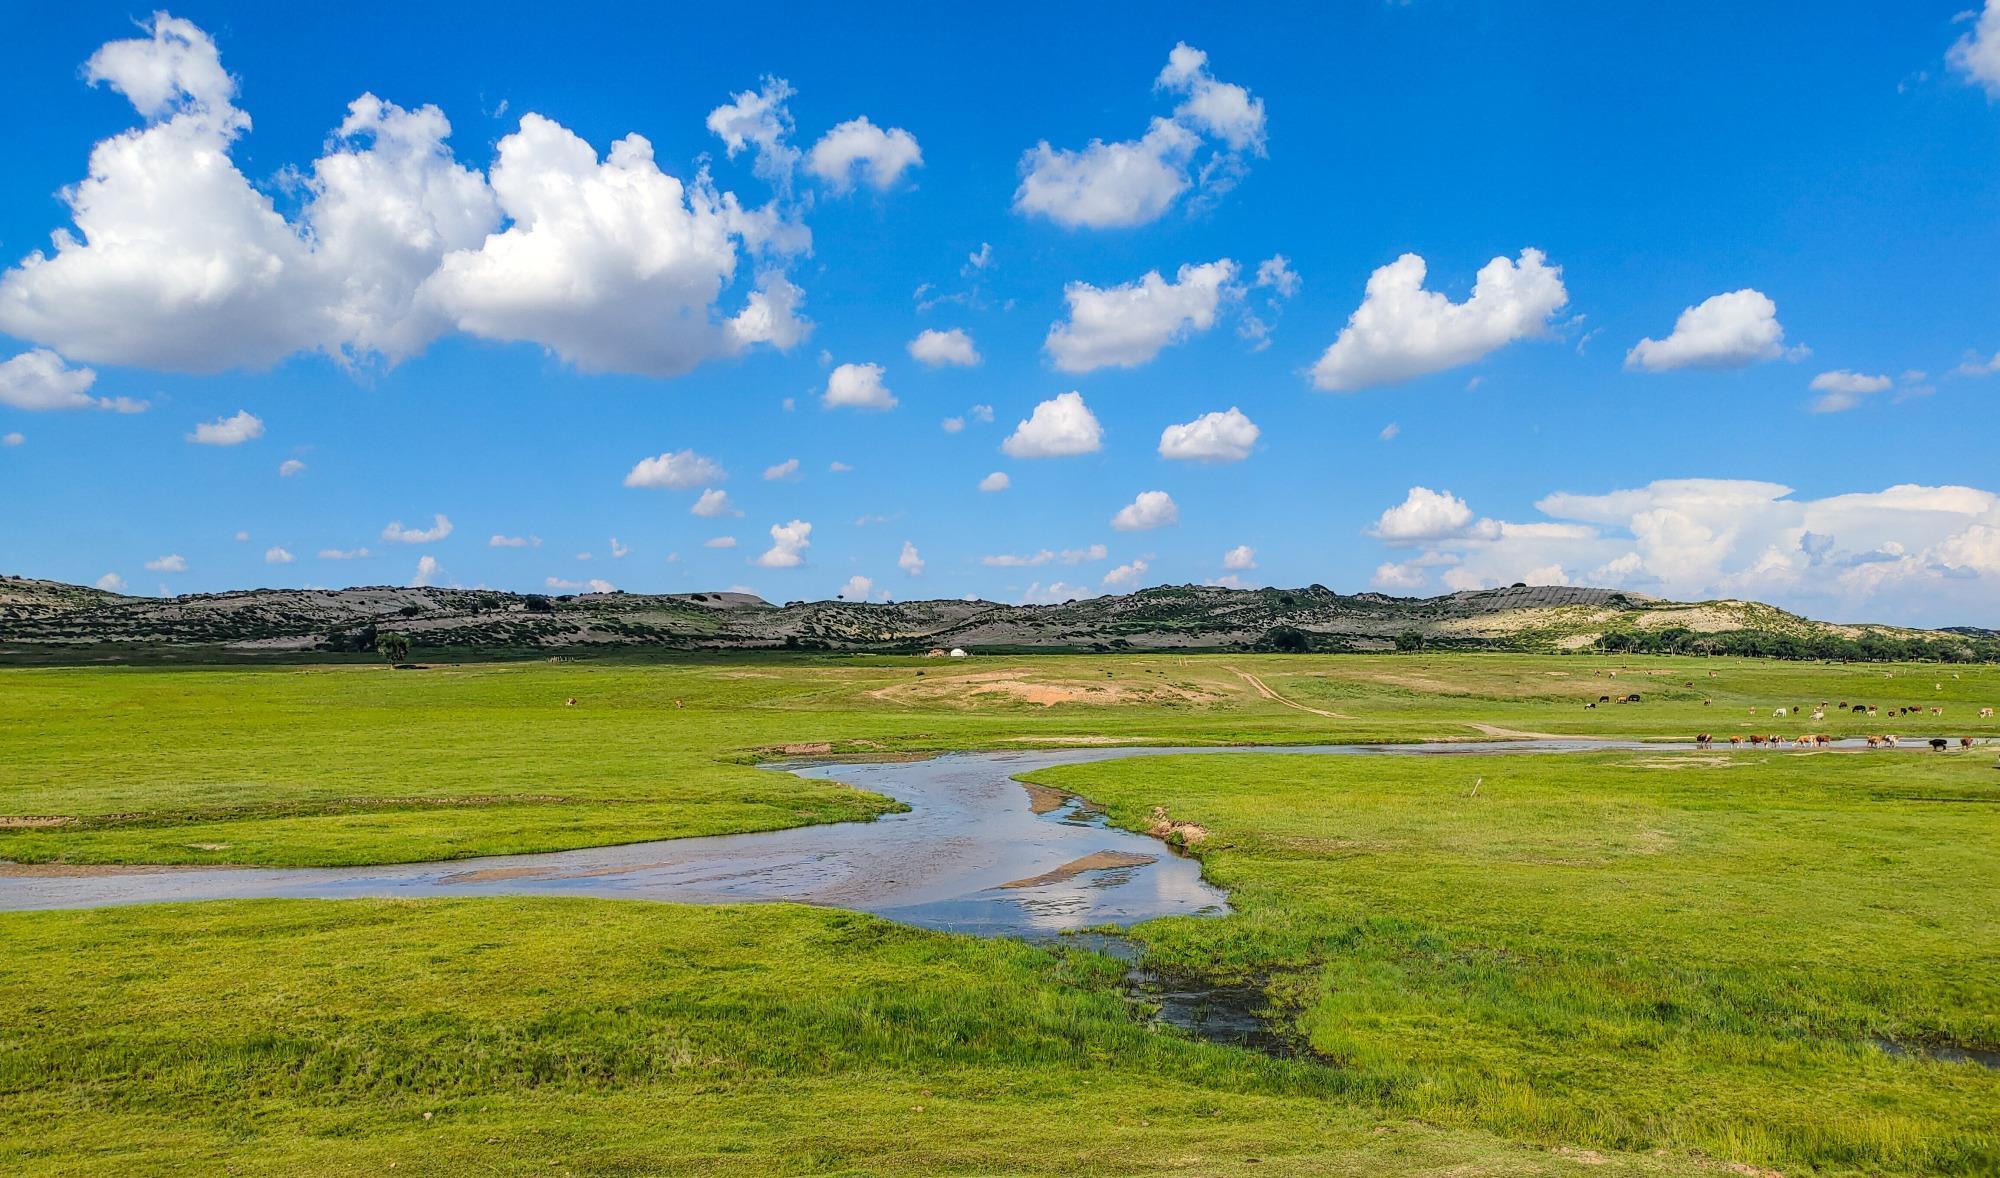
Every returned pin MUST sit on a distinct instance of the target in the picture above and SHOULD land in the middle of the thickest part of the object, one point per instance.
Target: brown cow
(1965, 742)
(1703, 740)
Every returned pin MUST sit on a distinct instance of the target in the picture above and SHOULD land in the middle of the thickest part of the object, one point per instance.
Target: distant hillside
(44, 619)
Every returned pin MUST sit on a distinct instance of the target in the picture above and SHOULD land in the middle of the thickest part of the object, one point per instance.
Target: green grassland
(337, 765)
(1644, 963)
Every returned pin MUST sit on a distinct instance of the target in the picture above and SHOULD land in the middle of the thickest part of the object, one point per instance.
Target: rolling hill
(46, 619)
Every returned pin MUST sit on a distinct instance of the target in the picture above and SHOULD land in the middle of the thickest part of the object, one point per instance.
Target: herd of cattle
(1821, 740)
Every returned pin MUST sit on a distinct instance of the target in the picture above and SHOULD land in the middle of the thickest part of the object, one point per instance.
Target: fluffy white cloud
(1054, 593)
(290, 467)
(1722, 331)
(758, 120)
(678, 471)
(499, 541)
(857, 588)
(1389, 575)
(396, 533)
(1127, 325)
(713, 504)
(344, 553)
(857, 386)
(1059, 427)
(1841, 389)
(937, 348)
(1276, 273)
(1152, 509)
(619, 551)
(1909, 553)
(12, 438)
(997, 481)
(1108, 185)
(228, 431)
(111, 583)
(881, 155)
(1213, 437)
(719, 542)
(1401, 330)
(38, 379)
(174, 260)
(1976, 55)
(1240, 558)
(277, 556)
(1135, 181)
(788, 545)
(1389, 432)
(1221, 109)
(910, 562)
(1424, 514)
(787, 469)
(174, 563)
(612, 264)
(1127, 574)
(1009, 560)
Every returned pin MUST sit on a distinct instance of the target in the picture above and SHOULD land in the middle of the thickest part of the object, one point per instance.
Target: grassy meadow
(1612, 963)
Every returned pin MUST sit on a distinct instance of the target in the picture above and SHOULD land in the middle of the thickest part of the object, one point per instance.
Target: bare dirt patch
(35, 822)
(1095, 861)
(1043, 800)
(1014, 687)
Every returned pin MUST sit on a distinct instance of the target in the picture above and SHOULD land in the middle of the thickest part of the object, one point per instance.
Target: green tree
(394, 647)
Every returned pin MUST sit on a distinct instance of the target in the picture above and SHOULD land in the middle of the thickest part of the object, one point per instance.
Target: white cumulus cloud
(1133, 182)
(938, 348)
(713, 504)
(997, 481)
(1227, 436)
(396, 533)
(675, 470)
(1976, 55)
(1723, 331)
(1842, 390)
(1125, 326)
(277, 555)
(38, 379)
(910, 562)
(174, 563)
(1152, 509)
(881, 156)
(1424, 515)
(1059, 427)
(1240, 558)
(1401, 331)
(228, 431)
(1127, 574)
(789, 542)
(857, 386)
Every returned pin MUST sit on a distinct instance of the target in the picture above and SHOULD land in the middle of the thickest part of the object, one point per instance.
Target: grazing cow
(570, 702)
(1938, 744)
(1706, 702)
(1822, 740)
(1986, 713)
(1775, 712)
(1593, 707)
(1871, 709)
(1755, 739)
(1874, 742)
(1604, 699)
(1937, 711)
(1633, 698)
(1703, 740)
(1965, 742)
(1892, 740)
(1736, 741)
(1819, 714)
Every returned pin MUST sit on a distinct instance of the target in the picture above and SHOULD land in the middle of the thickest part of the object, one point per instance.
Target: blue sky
(499, 326)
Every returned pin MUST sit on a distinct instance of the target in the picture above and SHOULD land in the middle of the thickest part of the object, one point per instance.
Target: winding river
(972, 855)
